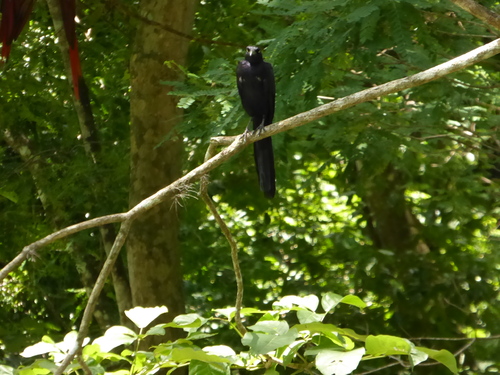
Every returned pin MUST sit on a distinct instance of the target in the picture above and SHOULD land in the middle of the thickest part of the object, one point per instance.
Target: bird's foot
(247, 131)
(259, 129)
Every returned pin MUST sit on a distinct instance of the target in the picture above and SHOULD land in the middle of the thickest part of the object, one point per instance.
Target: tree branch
(479, 11)
(32, 248)
(241, 141)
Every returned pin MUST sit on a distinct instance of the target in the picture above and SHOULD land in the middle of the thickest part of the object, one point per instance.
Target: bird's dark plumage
(255, 80)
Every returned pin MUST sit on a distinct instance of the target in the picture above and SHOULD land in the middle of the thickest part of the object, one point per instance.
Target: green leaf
(309, 302)
(143, 316)
(261, 343)
(334, 333)
(209, 368)
(361, 12)
(251, 310)
(271, 327)
(306, 316)
(387, 345)
(6, 370)
(38, 349)
(186, 321)
(353, 300)
(417, 356)
(331, 362)
(227, 312)
(221, 351)
(195, 335)
(330, 300)
(442, 356)
(182, 355)
(10, 195)
(368, 26)
(289, 352)
(327, 343)
(115, 336)
(156, 330)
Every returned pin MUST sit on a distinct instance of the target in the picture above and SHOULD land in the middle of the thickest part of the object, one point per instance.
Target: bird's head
(253, 55)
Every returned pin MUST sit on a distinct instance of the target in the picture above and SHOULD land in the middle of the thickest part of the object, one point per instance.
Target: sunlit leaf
(143, 316)
(331, 362)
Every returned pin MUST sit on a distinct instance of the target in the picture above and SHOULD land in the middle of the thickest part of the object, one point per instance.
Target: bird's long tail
(264, 161)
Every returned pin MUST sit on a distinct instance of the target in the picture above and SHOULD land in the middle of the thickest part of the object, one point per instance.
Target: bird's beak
(250, 53)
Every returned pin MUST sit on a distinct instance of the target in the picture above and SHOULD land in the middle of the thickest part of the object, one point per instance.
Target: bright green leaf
(261, 343)
(143, 316)
(387, 345)
(331, 362)
(10, 195)
(220, 350)
(38, 349)
(271, 371)
(306, 316)
(6, 370)
(353, 300)
(330, 300)
(156, 330)
(195, 335)
(417, 356)
(115, 336)
(209, 368)
(309, 302)
(183, 355)
(289, 352)
(442, 356)
(329, 330)
(271, 327)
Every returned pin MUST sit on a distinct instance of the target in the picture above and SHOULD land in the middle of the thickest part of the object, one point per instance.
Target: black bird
(255, 80)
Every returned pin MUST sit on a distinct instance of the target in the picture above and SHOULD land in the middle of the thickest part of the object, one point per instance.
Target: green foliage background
(429, 151)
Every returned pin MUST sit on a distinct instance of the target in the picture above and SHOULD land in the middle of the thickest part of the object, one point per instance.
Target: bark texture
(156, 155)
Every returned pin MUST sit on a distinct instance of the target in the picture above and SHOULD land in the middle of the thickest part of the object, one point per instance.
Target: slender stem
(234, 254)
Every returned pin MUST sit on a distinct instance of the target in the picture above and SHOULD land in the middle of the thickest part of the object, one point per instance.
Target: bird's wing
(240, 69)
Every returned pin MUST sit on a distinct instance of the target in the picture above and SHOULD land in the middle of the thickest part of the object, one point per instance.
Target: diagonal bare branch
(238, 143)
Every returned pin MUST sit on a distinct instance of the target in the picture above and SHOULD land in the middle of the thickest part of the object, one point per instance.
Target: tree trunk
(156, 155)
